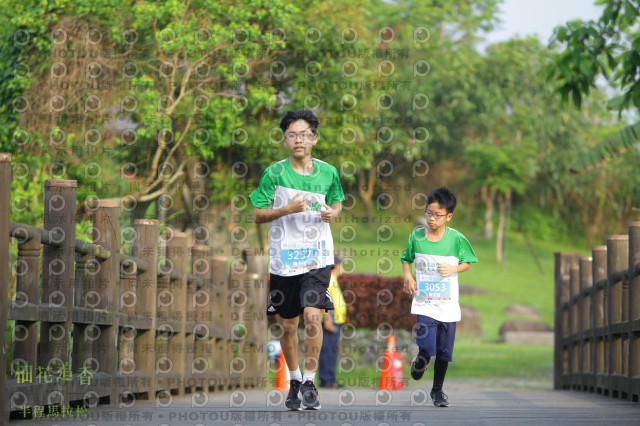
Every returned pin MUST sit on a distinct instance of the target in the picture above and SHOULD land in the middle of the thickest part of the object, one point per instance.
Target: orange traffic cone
(392, 377)
(282, 374)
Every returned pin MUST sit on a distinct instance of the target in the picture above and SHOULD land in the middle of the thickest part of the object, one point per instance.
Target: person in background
(331, 326)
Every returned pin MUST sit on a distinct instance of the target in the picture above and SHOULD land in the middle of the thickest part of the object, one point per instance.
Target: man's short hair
(444, 197)
(300, 114)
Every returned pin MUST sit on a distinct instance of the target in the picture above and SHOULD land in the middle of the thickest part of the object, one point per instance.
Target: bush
(373, 300)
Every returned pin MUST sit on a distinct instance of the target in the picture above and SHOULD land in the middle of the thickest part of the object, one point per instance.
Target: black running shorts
(289, 296)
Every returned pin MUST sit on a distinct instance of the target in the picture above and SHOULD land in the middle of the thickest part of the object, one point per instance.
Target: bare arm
(269, 215)
(328, 323)
(446, 270)
(297, 204)
(410, 285)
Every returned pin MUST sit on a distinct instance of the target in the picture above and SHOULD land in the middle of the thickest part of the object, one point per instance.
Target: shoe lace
(310, 386)
(294, 386)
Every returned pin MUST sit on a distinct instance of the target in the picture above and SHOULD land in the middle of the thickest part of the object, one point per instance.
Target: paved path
(411, 406)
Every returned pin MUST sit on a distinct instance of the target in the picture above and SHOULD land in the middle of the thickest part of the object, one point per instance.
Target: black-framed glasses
(292, 137)
(435, 215)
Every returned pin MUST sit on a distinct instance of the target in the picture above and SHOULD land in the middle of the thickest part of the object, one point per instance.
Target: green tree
(608, 47)
(172, 81)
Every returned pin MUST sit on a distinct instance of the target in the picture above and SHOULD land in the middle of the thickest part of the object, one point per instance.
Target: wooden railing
(98, 326)
(597, 320)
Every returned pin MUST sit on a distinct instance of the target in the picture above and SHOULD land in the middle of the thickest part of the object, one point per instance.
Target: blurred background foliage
(175, 105)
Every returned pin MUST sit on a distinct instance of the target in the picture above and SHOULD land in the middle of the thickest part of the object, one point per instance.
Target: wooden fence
(597, 321)
(98, 326)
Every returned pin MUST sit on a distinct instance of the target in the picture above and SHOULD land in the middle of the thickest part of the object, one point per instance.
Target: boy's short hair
(444, 197)
(300, 114)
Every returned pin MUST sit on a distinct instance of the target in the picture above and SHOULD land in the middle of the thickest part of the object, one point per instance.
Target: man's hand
(297, 204)
(327, 214)
(328, 325)
(410, 286)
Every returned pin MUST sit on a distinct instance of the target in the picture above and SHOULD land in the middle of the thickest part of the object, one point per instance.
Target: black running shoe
(439, 399)
(309, 396)
(293, 400)
(418, 367)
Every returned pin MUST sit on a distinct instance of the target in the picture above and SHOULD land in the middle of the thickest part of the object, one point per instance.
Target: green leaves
(501, 168)
(617, 143)
(610, 47)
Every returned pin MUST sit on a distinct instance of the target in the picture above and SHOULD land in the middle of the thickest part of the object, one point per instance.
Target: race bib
(434, 291)
(296, 256)
(432, 288)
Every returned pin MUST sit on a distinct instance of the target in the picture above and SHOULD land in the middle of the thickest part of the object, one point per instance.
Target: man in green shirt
(299, 196)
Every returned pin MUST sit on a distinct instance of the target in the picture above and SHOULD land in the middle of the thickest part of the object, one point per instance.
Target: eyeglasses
(292, 137)
(435, 215)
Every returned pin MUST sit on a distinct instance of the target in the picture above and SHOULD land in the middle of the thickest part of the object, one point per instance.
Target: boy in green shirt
(300, 196)
(440, 253)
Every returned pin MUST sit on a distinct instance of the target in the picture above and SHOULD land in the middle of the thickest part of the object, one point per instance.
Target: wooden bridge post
(164, 307)
(634, 311)
(220, 279)
(87, 306)
(127, 303)
(573, 344)
(146, 248)
(213, 311)
(238, 300)
(28, 296)
(177, 255)
(57, 279)
(189, 342)
(617, 258)
(5, 219)
(563, 263)
(257, 324)
(201, 306)
(586, 326)
(598, 313)
(84, 333)
(106, 233)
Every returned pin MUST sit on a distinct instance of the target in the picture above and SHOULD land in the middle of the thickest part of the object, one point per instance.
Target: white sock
(295, 375)
(308, 375)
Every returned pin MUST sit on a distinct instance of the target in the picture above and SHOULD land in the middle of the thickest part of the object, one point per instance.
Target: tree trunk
(501, 230)
(505, 233)
(365, 190)
(488, 197)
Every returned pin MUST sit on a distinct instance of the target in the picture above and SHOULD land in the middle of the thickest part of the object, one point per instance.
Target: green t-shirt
(301, 241)
(437, 296)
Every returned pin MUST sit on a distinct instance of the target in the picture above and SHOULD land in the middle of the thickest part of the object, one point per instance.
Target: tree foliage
(174, 105)
(608, 47)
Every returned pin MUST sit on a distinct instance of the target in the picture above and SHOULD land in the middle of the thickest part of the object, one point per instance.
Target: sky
(528, 17)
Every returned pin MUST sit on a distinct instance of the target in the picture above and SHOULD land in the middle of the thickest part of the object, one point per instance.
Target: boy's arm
(297, 204)
(446, 270)
(410, 285)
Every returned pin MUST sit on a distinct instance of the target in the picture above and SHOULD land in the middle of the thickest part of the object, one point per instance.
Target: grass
(501, 361)
(519, 281)
(481, 364)
(376, 247)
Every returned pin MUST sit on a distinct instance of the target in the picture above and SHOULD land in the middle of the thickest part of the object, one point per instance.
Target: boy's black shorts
(290, 295)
